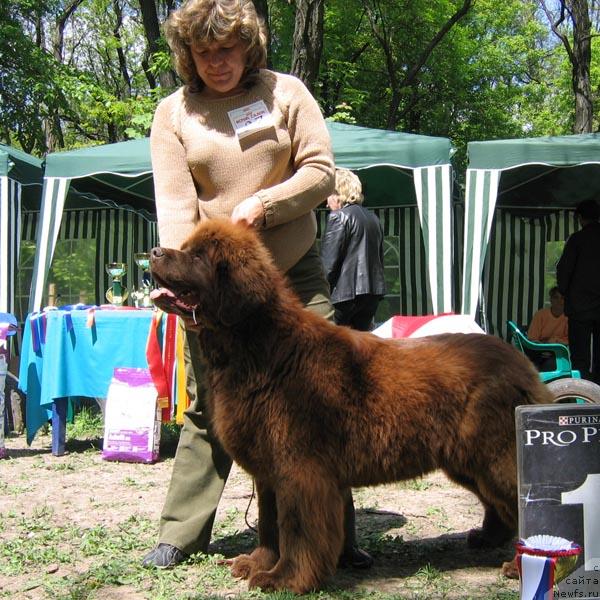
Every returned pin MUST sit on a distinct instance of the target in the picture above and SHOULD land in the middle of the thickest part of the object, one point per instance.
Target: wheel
(570, 390)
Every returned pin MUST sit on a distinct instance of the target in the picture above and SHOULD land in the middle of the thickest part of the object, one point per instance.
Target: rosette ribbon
(543, 561)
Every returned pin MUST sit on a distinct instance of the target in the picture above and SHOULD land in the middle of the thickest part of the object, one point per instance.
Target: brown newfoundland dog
(310, 409)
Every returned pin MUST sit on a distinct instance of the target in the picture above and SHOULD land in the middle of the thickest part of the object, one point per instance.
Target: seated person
(549, 326)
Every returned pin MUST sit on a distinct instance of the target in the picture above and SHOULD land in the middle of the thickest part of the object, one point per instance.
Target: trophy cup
(141, 296)
(117, 293)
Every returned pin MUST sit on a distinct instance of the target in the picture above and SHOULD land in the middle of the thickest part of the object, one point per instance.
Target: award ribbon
(37, 322)
(543, 561)
(182, 397)
(162, 364)
(69, 308)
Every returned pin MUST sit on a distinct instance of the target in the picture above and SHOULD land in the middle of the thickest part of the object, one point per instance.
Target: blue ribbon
(68, 308)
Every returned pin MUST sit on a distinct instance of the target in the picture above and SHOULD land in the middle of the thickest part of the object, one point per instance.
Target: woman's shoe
(164, 556)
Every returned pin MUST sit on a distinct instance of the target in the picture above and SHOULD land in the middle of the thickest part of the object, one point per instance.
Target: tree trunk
(120, 52)
(308, 41)
(152, 31)
(582, 57)
(262, 10)
(52, 126)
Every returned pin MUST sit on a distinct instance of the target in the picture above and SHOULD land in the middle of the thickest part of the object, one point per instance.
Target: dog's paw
(261, 559)
(268, 581)
(510, 570)
(282, 579)
(265, 581)
(480, 538)
(242, 566)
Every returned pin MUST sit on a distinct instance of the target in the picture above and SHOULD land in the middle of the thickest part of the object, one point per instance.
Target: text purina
(579, 420)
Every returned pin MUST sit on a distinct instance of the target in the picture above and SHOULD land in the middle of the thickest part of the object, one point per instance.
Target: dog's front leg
(265, 555)
(310, 512)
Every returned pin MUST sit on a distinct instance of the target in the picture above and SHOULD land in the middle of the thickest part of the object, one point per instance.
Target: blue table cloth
(72, 359)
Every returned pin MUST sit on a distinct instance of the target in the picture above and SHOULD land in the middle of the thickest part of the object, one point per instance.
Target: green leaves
(498, 71)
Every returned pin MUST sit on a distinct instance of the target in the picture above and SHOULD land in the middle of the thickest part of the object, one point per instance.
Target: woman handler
(247, 143)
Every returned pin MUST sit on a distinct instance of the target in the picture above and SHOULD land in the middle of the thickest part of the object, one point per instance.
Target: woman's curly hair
(200, 22)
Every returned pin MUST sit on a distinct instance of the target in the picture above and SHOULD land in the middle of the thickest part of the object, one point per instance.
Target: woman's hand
(250, 211)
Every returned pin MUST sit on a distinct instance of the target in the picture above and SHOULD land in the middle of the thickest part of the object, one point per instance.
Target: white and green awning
(397, 169)
(529, 178)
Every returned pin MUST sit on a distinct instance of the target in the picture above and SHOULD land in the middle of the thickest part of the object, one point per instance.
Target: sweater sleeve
(313, 177)
(174, 189)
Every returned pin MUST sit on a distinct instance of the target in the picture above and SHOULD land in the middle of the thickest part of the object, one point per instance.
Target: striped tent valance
(80, 224)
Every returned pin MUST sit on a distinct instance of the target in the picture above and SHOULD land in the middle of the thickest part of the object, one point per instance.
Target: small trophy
(141, 296)
(117, 293)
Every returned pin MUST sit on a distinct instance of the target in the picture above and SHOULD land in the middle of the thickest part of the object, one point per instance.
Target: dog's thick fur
(310, 409)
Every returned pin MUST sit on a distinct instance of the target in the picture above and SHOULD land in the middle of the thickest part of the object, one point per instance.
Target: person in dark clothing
(352, 254)
(578, 278)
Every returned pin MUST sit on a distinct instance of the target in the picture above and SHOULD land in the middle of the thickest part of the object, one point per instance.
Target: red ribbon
(162, 363)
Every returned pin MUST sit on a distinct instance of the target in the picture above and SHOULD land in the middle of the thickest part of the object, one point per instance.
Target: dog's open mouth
(182, 301)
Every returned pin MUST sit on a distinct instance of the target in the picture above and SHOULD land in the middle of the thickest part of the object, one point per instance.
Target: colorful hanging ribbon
(166, 365)
(161, 362)
(541, 565)
(181, 391)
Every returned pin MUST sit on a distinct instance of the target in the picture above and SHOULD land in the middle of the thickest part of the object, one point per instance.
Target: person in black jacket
(352, 254)
(578, 278)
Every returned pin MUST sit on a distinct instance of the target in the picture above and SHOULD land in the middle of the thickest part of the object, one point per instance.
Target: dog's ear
(238, 295)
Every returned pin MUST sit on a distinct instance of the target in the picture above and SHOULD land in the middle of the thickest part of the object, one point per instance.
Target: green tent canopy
(114, 174)
(397, 169)
(528, 189)
(20, 186)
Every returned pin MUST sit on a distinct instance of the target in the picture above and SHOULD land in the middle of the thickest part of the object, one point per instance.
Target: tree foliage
(80, 72)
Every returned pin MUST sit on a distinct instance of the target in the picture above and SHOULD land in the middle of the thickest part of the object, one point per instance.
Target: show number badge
(250, 119)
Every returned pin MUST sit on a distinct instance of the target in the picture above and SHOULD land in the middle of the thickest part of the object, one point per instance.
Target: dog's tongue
(161, 292)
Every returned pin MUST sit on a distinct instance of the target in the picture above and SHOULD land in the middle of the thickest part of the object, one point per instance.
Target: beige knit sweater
(202, 169)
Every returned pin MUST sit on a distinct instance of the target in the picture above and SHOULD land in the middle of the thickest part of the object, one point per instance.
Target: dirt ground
(415, 530)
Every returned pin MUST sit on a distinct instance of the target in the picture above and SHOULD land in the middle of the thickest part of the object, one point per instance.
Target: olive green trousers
(201, 465)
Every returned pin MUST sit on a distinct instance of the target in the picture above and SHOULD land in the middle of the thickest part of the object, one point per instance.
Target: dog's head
(221, 275)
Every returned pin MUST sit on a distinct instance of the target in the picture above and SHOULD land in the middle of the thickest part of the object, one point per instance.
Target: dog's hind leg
(264, 557)
(499, 521)
(310, 512)
(494, 531)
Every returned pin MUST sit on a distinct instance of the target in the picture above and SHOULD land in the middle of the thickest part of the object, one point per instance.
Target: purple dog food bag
(132, 417)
